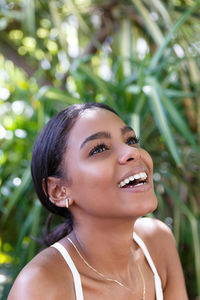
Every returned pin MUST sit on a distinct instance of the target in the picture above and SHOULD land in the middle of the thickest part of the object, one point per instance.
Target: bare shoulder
(150, 228)
(158, 238)
(161, 244)
(41, 278)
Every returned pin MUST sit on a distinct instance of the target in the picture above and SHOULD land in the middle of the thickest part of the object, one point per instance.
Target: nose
(127, 154)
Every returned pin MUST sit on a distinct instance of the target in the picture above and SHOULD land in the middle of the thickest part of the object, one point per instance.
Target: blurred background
(141, 57)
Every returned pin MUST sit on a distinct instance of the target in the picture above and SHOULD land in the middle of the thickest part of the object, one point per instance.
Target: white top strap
(77, 279)
(158, 285)
(76, 276)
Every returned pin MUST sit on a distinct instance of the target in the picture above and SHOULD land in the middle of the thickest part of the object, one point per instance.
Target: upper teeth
(141, 176)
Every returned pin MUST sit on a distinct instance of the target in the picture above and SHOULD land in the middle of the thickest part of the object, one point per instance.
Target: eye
(98, 149)
(132, 140)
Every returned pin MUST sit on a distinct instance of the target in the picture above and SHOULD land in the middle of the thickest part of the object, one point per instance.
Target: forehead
(94, 120)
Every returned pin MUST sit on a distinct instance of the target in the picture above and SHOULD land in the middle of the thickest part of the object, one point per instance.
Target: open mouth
(134, 180)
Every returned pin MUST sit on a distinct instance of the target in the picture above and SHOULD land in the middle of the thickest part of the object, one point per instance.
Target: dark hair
(47, 156)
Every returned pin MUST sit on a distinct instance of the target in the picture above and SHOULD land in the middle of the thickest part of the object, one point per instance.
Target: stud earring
(67, 203)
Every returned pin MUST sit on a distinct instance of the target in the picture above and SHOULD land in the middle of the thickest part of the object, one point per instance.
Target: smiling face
(109, 175)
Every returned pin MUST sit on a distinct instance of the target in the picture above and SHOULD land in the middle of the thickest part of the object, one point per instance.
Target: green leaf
(159, 53)
(74, 10)
(178, 94)
(151, 26)
(58, 24)
(35, 226)
(194, 228)
(161, 118)
(126, 46)
(26, 180)
(29, 16)
(54, 94)
(100, 83)
(159, 6)
(135, 123)
(178, 121)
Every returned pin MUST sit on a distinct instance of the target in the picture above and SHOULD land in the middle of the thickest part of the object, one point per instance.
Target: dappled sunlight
(139, 57)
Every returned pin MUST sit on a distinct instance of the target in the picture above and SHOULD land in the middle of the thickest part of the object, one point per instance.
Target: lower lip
(137, 189)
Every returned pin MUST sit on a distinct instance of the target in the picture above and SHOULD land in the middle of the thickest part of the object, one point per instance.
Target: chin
(151, 209)
(148, 205)
(151, 205)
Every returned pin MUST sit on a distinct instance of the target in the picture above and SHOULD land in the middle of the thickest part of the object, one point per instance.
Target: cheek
(147, 159)
(94, 176)
(89, 183)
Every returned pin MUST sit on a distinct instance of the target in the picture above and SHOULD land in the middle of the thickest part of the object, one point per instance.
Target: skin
(104, 219)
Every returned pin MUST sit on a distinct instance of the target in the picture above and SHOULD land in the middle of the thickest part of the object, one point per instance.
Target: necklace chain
(111, 279)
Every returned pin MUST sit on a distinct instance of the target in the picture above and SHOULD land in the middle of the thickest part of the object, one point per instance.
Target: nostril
(130, 158)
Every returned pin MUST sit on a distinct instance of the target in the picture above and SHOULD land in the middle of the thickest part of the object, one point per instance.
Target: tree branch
(21, 62)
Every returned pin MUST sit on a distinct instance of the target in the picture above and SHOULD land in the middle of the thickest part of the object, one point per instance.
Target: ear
(58, 192)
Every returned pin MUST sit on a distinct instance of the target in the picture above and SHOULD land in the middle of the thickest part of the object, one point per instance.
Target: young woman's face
(101, 158)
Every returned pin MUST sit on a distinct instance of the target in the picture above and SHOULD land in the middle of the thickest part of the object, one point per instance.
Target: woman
(87, 166)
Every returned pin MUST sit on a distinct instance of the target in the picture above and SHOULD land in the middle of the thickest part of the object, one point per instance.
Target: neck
(106, 242)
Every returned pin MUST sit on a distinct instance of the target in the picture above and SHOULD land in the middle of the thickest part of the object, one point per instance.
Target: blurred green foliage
(140, 57)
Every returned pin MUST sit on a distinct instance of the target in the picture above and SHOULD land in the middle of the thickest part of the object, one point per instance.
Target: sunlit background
(140, 57)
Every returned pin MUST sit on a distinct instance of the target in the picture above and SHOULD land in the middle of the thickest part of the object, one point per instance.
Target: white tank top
(77, 279)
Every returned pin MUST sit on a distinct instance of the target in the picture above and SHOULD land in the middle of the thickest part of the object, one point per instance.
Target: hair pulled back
(47, 156)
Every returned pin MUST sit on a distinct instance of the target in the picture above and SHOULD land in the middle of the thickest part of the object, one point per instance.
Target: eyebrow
(95, 136)
(104, 134)
(126, 129)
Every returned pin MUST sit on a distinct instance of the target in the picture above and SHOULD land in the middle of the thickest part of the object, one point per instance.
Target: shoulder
(42, 277)
(158, 238)
(161, 245)
(150, 228)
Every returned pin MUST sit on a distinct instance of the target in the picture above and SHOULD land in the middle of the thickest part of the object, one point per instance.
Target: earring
(67, 203)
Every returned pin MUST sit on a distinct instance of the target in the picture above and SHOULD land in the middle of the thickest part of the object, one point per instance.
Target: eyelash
(102, 147)
(98, 149)
(133, 139)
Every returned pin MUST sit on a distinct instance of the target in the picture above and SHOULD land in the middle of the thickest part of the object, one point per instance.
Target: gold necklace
(107, 278)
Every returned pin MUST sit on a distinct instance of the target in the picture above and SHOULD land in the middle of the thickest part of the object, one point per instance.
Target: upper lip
(134, 171)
